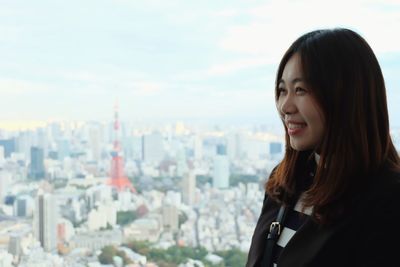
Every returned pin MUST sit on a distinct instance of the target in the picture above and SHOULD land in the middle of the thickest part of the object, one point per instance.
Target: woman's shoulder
(383, 190)
(386, 181)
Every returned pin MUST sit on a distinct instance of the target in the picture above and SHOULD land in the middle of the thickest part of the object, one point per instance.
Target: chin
(300, 147)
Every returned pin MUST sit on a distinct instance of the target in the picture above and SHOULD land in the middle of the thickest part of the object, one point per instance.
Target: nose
(287, 105)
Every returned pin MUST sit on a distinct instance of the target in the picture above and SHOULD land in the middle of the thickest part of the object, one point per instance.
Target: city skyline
(195, 189)
(170, 60)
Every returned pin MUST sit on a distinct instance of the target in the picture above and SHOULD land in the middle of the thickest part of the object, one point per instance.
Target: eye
(300, 90)
(281, 91)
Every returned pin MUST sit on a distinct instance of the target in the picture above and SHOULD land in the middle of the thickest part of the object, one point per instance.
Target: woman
(334, 200)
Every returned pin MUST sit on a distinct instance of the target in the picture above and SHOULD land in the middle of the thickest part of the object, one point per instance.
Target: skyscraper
(24, 142)
(37, 163)
(21, 207)
(153, 147)
(9, 146)
(197, 147)
(5, 182)
(45, 221)
(181, 164)
(170, 217)
(63, 149)
(221, 168)
(275, 148)
(188, 188)
(2, 155)
(94, 142)
(14, 244)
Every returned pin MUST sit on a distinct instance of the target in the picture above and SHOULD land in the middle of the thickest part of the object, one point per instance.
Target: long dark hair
(347, 82)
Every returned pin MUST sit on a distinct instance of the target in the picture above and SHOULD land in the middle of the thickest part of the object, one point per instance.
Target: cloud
(275, 25)
(110, 80)
(145, 88)
(237, 65)
(20, 87)
(9, 33)
(226, 13)
(165, 58)
(85, 76)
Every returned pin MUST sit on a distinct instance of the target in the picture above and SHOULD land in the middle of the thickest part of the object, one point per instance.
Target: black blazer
(369, 236)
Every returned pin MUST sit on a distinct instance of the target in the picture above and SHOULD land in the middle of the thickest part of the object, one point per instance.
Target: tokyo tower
(117, 179)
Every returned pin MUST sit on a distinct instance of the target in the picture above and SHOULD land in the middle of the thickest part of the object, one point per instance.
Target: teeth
(296, 126)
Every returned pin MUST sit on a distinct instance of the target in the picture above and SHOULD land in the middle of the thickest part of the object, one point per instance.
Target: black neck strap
(274, 232)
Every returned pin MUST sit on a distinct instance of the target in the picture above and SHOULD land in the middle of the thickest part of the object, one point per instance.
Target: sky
(161, 60)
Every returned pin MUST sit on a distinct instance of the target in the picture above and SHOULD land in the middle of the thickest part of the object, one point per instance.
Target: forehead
(292, 69)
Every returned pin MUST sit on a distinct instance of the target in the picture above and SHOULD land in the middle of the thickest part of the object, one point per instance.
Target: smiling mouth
(293, 126)
(294, 129)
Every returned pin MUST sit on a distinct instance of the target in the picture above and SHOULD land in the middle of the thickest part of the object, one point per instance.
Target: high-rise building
(94, 142)
(101, 217)
(240, 145)
(14, 244)
(63, 149)
(23, 206)
(137, 147)
(5, 182)
(45, 221)
(221, 168)
(2, 153)
(55, 130)
(6, 259)
(37, 163)
(152, 147)
(275, 148)
(189, 188)
(24, 142)
(231, 146)
(20, 207)
(181, 164)
(41, 138)
(9, 146)
(197, 147)
(170, 217)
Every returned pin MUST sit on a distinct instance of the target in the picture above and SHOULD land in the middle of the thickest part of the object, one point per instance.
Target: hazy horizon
(175, 60)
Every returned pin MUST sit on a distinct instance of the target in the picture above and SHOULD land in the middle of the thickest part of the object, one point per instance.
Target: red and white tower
(117, 178)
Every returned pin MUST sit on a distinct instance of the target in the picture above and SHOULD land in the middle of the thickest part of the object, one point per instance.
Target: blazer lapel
(305, 244)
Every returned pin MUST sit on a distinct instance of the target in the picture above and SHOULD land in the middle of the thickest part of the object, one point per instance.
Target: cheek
(319, 125)
(278, 108)
(313, 113)
(277, 104)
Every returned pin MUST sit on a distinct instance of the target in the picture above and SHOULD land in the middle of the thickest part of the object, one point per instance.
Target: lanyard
(275, 230)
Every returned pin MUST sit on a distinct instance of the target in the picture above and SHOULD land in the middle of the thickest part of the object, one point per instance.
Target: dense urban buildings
(190, 187)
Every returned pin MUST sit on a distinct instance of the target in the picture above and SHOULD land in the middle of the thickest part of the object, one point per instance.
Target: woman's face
(298, 108)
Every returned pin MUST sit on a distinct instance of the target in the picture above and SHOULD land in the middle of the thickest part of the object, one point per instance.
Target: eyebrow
(295, 80)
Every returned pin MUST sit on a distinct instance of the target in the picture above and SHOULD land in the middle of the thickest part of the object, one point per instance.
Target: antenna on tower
(117, 178)
(116, 119)
(116, 128)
